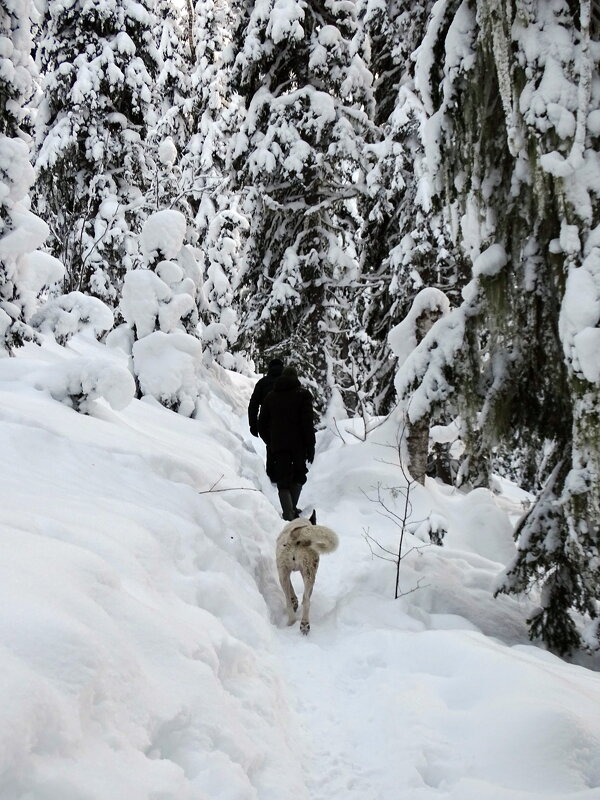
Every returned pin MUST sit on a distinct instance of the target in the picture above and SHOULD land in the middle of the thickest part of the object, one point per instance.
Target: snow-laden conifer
(72, 313)
(161, 316)
(171, 122)
(171, 94)
(214, 107)
(405, 244)
(78, 382)
(512, 142)
(298, 161)
(222, 247)
(24, 271)
(99, 62)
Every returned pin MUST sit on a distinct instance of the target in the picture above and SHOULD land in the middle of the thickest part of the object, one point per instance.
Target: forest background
(401, 198)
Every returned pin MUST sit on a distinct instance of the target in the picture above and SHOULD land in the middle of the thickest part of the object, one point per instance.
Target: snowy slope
(143, 650)
(136, 647)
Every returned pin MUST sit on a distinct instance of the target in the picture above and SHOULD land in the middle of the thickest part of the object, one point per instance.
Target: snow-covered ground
(143, 648)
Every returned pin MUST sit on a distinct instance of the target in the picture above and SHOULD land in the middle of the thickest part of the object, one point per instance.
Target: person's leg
(287, 504)
(283, 471)
(270, 466)
(298, 470)
(295, 489)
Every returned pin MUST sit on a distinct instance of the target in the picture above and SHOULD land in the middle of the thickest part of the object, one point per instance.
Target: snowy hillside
(144, 652)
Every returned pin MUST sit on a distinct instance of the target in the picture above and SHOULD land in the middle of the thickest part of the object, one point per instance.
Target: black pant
(290, 469)
(270, 467)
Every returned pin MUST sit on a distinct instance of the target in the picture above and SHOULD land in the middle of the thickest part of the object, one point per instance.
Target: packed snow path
(410, 698)
(144, 652)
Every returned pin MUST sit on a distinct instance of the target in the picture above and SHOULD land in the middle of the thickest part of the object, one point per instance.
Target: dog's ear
(295, 533)
(313, 517)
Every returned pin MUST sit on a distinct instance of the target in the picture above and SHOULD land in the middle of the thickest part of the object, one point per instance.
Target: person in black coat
(286, 425)
(261, 390)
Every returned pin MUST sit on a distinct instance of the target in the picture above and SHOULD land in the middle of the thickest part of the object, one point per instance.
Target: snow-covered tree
(24, 271)
(297, 160)
(429, 305)
(512, 142)
(18, 73)
(405, 242)
(78, 382)
(171, 123)
(72, 313)
(199, 111)
(223, 245)
(161, 317)
(171, 95)
(99, 61)
(214, 108)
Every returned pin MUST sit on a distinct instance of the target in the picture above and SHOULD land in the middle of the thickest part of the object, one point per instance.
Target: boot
(287, 505)
(295, 490)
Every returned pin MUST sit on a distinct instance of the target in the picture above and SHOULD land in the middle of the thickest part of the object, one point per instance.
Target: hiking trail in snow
(408, 698)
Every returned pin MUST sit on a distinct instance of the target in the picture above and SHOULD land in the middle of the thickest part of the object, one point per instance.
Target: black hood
(286, 383)
(275, 369)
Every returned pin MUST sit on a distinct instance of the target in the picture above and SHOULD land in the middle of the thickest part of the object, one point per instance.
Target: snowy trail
(388, 708)
(358, 722)
(396, 701)
(327, 704)
(352, 732)
(357, 706)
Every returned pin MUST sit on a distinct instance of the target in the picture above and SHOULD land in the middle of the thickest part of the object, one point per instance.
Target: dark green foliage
(515, 383)
(546, 557)
(298, 160)
(405, 239)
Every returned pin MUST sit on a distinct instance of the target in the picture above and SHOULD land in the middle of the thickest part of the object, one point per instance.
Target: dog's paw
(304, 627)
(291, 620)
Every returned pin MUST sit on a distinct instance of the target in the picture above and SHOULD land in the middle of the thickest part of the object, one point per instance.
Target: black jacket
(286, 419)
(261, 390)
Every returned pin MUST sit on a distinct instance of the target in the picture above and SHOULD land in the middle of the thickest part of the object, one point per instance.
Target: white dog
(298, 548)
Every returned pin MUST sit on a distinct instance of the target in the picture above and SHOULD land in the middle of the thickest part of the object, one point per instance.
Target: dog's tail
(322, 539)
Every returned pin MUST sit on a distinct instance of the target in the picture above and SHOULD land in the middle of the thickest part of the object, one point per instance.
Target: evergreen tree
(513, 144)
(298, 161)
(171, 121)
(211, 113)
(405, 242)
(171, 94)
(160, 310)
(223, 244)
(23, 272)
(99, 61)
(215, 113)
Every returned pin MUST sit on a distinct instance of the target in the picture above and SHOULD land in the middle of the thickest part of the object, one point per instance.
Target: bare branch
(414, 589)
(417, 548)
(216, 482)
(339, 433)
(367, 536)
(401, 518)
(230, 489)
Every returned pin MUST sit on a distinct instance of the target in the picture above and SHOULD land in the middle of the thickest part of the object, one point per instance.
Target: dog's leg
(309, 573)
(291, 601)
